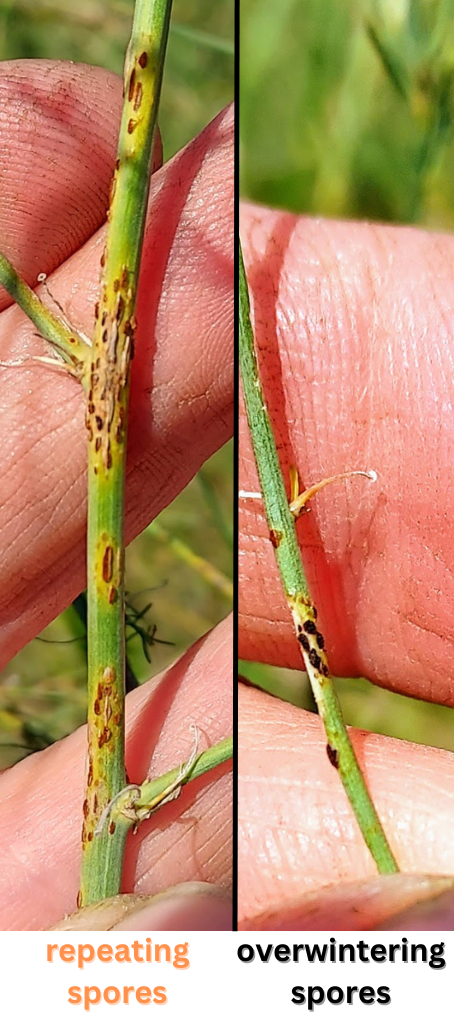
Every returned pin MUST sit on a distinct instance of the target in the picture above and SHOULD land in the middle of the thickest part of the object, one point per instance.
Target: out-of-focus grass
(42, 691)
(347, 109)
(198, 79)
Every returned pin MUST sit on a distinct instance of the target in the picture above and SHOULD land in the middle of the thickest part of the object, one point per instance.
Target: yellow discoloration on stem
(106, 419)
(103, 732)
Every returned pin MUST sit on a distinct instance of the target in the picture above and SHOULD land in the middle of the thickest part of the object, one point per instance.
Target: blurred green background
(42, 691)
(347, 110)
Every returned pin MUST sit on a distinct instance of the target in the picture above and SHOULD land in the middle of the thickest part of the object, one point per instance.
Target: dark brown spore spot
(333, 756)
(314, 612)
(132, 81)
(109, 458)
(324, 669)
(100, 692)
(95, 469)
(143, 60)
(314, 659)
(103, 259)
(309, 627)
(112, 828)
(105, 736)
(91, 407)
(120, 309)
(98, 443)
(97, 707)
(304, 642)
(275, 537)
(95, 804)
(103, 321)
(117, 718)
(138, 95)
(105, 336)
(117, 164)
(98, 421)
(79, 897)
(132, 124)
(89, 837)
(320, 639)
(90, 433)
(85, 809)
(124, 277)
(112, 595)
(107, 564)
(90, 774)
(96, 309)
(116, 285)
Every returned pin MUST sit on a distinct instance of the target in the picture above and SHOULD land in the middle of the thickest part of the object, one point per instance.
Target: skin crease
(353, 325)
(182, 404)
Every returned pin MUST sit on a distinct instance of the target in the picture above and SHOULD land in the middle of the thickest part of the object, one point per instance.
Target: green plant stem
(137, 803)
(209, 759)
(281, 525)
(107, 410)
(75, 352)
(203, 567)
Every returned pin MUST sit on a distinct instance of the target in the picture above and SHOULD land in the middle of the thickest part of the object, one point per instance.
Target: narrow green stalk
(203, 567)
(71, 346)
(135, 804)
(281, 524)
(107, 410)
(151, 789)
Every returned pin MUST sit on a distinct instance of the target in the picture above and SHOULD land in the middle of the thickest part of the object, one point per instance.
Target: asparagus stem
(281, 523)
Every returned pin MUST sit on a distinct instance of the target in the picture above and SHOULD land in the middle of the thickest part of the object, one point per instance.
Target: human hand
(58, 130)
(352, 325)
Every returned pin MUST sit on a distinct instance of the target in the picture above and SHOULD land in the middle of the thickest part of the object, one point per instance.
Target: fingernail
(194, 906)
(436, 914)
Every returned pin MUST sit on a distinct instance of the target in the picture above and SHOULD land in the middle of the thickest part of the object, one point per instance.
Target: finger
(295, 819)
(356, 355)
(190, 838)
(194, 906)
(181, 388)
(360, 906)
(58, 138)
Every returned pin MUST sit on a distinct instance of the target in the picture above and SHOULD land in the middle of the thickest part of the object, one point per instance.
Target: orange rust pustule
(107, 564)
(138, 92)
(275, 537)
(104, 737)
(131, 84)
